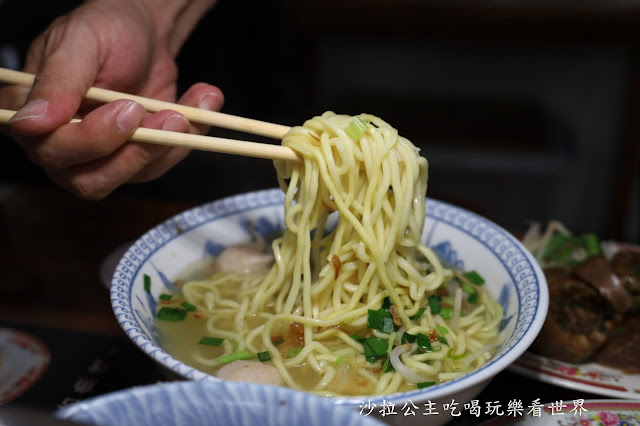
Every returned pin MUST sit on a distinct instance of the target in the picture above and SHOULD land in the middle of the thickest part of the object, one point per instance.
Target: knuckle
(138, 156)
(43, 155)
(89, 187)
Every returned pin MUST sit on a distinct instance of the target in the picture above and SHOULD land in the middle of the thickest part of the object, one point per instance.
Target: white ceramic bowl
(211, 403)
(462, 238)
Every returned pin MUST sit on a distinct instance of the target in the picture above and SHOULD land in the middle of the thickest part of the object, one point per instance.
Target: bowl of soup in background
(462, 239)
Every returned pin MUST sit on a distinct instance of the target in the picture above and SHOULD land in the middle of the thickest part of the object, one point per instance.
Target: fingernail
(130, 116)
(176, 123)
(209, 101)
(33, 110)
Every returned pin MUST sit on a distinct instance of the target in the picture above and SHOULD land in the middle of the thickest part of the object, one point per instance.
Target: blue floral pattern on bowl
(207, 403)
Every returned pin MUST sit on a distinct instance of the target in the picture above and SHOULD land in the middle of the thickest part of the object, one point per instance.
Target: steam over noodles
(361, 307)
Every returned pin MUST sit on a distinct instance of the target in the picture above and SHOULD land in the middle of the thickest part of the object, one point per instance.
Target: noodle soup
(355, 374)
(360, 308)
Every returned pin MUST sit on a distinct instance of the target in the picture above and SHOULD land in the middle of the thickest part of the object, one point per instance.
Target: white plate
(23, 359)
(584, 413)
(591, 377)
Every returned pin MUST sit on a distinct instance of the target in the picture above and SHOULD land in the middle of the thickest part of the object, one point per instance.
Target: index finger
(65, 73)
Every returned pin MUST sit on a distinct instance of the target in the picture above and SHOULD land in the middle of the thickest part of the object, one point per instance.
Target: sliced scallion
(165, 297)
(171, 314)
(418, 314)
(147, 283)
(434, 304)
(211, 341)
(424, 343)
(294, 351)
(375, 348)
(406, 337)
(425, 384)
(357, 338)
(235, 356)
(264, 356)
(474, 277)
(188, 306)
(441, 329)
(356, 128)
(381, 320)
(446, 314)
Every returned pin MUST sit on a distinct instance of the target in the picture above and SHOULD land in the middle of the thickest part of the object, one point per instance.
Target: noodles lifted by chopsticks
(331, 291)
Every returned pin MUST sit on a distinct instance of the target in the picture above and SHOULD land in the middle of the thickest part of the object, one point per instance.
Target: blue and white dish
(207, 403)
(462, 238)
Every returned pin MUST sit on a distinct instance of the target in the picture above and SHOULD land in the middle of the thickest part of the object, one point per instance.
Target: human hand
(123, 45)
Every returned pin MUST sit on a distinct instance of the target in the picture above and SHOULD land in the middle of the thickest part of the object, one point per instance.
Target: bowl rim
(213, 391)
(189, 220)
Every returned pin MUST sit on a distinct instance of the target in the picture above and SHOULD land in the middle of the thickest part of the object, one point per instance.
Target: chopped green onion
(591, 244)
(418, 314)
(264, 356)
(449, 300)
(424, 343)
(294, 351)
(339, 360)
(357, 338)
(386, 303)
(381, 320)
(406, 337)
(211, 341)
(171, 314)
(374, 348)
(278, 341)
(165, 297)
(235, 356)
(434, 304)
(425, 384)
(468, 288)
(472, 298)
(450, 355)
(441, 329)
(147, 283)
(387, 366)
(188, 306)
(446, 314)
(443, 340)
(356, 128)
(474, 278)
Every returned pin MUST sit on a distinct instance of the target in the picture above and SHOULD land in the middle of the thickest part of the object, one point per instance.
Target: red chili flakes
(297, 333)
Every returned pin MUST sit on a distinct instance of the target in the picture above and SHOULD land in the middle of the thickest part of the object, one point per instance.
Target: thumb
(65, 73)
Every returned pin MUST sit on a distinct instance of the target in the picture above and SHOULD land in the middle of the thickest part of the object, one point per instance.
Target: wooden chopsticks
(204, 143)
(211, 118)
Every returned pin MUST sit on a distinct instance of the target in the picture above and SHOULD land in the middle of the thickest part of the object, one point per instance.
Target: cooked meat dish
(594, 310)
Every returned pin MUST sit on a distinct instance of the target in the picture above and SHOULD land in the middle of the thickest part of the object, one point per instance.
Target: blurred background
(526, 110)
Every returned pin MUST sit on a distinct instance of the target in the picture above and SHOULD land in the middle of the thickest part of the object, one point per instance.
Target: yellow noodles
(328, 281)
